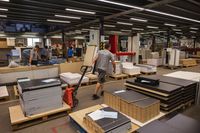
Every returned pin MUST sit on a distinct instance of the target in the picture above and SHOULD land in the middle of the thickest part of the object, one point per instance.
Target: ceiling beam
(194, 2)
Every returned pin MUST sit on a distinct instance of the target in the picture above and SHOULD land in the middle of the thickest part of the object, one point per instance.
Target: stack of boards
(133, 104)
(178, 124)
(172, 92)
(40, 95)
(120, 124)
(147, 68)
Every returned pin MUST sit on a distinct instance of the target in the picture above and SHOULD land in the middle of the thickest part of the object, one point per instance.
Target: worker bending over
(102, 60)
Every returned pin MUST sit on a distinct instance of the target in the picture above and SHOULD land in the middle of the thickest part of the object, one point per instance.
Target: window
(32, 41)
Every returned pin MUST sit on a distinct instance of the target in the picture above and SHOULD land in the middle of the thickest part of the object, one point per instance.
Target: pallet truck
(70, 93)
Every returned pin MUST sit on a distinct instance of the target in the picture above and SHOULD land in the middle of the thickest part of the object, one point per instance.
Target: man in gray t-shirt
(102, 61)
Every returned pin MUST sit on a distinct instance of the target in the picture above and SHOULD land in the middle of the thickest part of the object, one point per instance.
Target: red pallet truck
(70, 93)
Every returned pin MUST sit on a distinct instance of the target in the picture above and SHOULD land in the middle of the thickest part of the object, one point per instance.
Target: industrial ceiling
(179, 16)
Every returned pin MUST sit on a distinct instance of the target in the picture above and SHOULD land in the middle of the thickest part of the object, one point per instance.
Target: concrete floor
(62, 125)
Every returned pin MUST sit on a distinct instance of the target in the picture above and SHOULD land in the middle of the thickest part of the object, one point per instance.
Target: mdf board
(121, 124)
(127, 98)
(89, 56)
(158, 127)
(3, 92)
(163, 87)
(71, 67)
(146, 109)
(184, 123)
(111, 99)
(78, 117)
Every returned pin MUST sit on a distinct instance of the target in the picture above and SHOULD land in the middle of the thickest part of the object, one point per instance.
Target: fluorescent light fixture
(80, 11)
(137, 29)
(149, 10)
(72, 17)
(172, 25)
(193, 31)
(92, 27)
(152, 27)
(162, 31)
(3, 9)
(176, 29)
(125, 30)
(107, 25)
(119, 32)
(193, 28)
(3, 16)
(179, 33)
(137, 19)
(86, 29)
(123, 23)
(121, 4)
(5, 0)
(58, 21)
(171, 15)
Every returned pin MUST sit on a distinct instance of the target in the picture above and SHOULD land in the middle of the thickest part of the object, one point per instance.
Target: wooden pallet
(133, 75)
(76, 119)
(82, 84)
(188, 62)
(188, 104)
(4, 95)
(119, 76)
(148, 73)
(16, 92)
(93, 81)
(19, 121)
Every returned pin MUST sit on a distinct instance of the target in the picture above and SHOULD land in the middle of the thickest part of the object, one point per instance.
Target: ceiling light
(126, 30)
(172, 25)
(92, 27)
(176, 29)
(107, 25)
(5, 0)
(171, 15)
(80, 11)
(124, 23)
(193, 31)
(3, 9)
(137, 19)
(193, 28)
(62, 16)
(152, 27)
(3, 16)
(121, 4)
(58, 21)
(86, 29)
(119, 32)
(149, 10)
(179, 33)
(137, 29)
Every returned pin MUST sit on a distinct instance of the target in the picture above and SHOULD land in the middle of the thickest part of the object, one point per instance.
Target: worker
(34, 56)
(70, 54)
(102, 60)
(45, 53)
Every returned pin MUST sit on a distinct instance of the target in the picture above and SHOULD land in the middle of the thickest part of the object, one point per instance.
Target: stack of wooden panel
(188, 62)
(131, 103)
(40, 95)
(178, 124)
(120, 124)
(169, 95)
(189, 87)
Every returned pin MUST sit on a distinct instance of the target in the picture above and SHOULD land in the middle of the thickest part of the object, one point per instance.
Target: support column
(113, 40)
(101, 35)
(64, 48)
(135, 47)
(153, 43)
